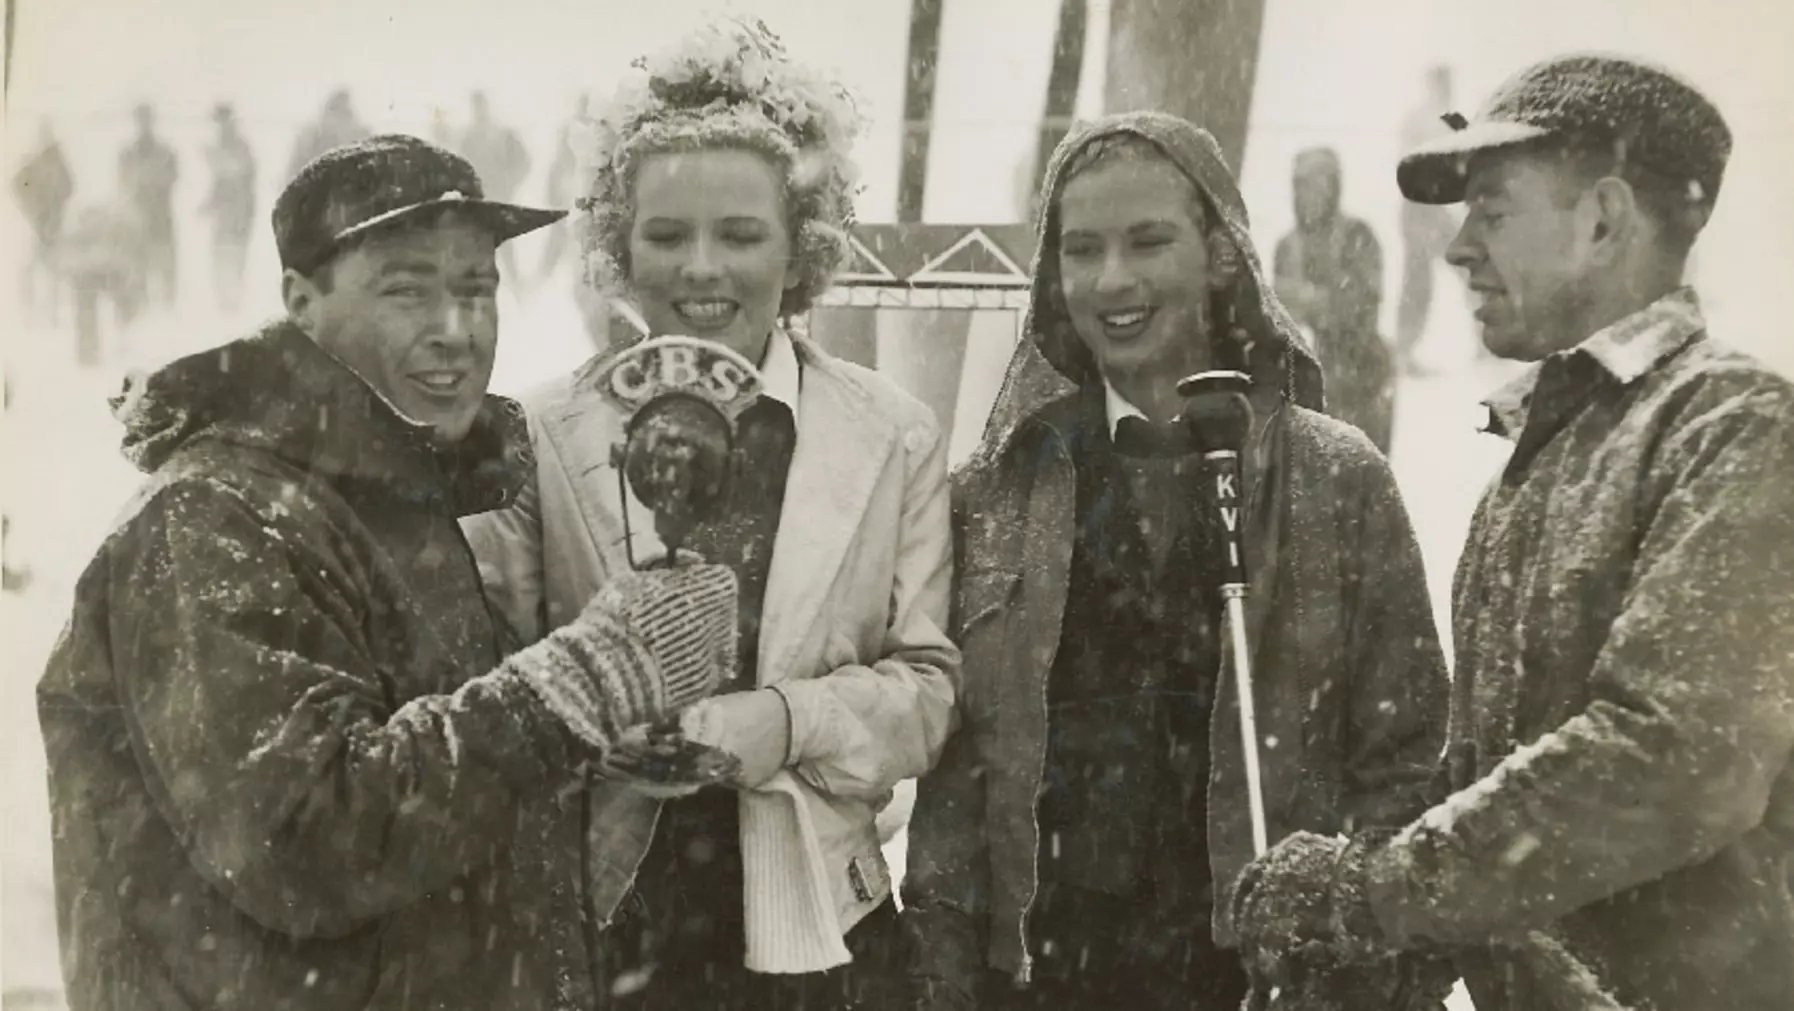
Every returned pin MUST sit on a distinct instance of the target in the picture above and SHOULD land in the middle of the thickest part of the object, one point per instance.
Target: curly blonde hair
(728, 85)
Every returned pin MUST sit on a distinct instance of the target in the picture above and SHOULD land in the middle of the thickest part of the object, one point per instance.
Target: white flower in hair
(728, 83)
(732, 62)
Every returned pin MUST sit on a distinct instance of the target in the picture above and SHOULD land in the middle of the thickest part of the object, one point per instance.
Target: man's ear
(302, 298)
(1612, 211)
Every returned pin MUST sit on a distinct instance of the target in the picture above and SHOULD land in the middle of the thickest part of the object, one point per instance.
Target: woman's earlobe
(1223, 259)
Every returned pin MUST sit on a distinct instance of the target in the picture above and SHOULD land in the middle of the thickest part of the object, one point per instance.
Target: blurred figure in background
(442, 129)
(1329, 273)
(562, 185)
(335, 126)
(43, 186)
(103, 260)
(1426, 229)
(147, 172)
(230, 204)
(15, 576)
(498, 155)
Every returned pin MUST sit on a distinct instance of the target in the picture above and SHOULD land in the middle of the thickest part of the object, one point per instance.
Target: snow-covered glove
(944, 958)
(646, 646)
(1307, 897)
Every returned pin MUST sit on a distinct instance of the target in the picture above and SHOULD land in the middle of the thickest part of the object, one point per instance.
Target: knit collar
(1626, 350)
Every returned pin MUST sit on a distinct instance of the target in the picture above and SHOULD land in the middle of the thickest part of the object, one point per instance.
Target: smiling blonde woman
(718, 203)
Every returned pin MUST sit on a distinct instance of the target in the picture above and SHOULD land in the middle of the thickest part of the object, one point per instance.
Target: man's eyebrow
(408, 267)
(1485, 186)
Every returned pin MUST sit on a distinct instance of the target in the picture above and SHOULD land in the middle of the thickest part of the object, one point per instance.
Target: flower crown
(730, 66)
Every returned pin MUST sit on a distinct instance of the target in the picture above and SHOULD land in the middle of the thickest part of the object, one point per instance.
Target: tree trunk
(1062, 87)
(918, 106)
(1195, 58)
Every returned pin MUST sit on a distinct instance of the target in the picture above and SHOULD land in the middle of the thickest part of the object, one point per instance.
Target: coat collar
(843, 443)
(1625, 350)
(781, 378)
(279, 392)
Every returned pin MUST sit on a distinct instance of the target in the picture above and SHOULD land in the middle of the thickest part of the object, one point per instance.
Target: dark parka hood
(279, 392)
(1052, 360)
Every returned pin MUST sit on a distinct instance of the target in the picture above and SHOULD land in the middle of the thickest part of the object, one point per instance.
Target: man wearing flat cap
(290, 764)
(1623, 711)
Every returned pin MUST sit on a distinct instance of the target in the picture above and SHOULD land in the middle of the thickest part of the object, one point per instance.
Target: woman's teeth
(1124, 319)
(708, 311)
(440, 382)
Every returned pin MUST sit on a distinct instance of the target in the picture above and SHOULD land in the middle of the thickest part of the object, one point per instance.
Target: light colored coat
(852, 631)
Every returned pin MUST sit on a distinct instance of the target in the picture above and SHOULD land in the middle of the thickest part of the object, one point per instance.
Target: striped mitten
(646, 646)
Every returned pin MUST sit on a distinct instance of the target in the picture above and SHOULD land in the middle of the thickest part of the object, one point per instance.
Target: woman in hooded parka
(1077, 844)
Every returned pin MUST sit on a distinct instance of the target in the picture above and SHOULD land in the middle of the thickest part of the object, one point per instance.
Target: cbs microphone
(681, 399)
(1218, 418)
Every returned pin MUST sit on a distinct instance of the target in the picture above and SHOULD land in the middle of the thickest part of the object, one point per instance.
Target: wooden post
(1195, 58)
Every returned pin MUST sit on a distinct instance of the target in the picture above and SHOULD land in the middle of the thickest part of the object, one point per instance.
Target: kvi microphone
(681, 399)
(1218, 417)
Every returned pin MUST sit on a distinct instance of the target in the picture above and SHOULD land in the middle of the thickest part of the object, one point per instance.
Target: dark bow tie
(1140, 437)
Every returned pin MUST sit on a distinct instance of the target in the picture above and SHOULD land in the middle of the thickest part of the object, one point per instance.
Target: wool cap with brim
(1652, 118)
(357, 188)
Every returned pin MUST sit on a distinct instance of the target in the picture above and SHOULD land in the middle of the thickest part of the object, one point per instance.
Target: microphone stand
(1219, 418)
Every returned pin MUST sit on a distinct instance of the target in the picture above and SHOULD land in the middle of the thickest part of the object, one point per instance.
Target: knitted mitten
(647, 645)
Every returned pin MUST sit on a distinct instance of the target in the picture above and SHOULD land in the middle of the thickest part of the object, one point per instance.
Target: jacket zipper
(587, 914)
(1026, 974)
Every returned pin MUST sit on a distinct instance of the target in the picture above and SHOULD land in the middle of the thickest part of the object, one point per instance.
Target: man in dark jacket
(1624, 705)
(231, 205)
(335, 126)
(498, 154)
(147, 172)
(290, 765)
(43, 186)
(1329, 273)
(1082, 831)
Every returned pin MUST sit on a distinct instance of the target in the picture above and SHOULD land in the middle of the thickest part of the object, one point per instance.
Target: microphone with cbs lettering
(681, 398)
(1218, 417)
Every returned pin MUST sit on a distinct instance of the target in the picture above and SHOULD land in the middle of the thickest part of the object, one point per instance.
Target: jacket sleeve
(1399, 693)
(947, 882)
(273, 746)
(860, 729)
(1689, 722)
(507, 544)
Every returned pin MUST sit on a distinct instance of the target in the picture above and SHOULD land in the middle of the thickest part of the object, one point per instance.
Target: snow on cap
(1654, 119)
(352, 189)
